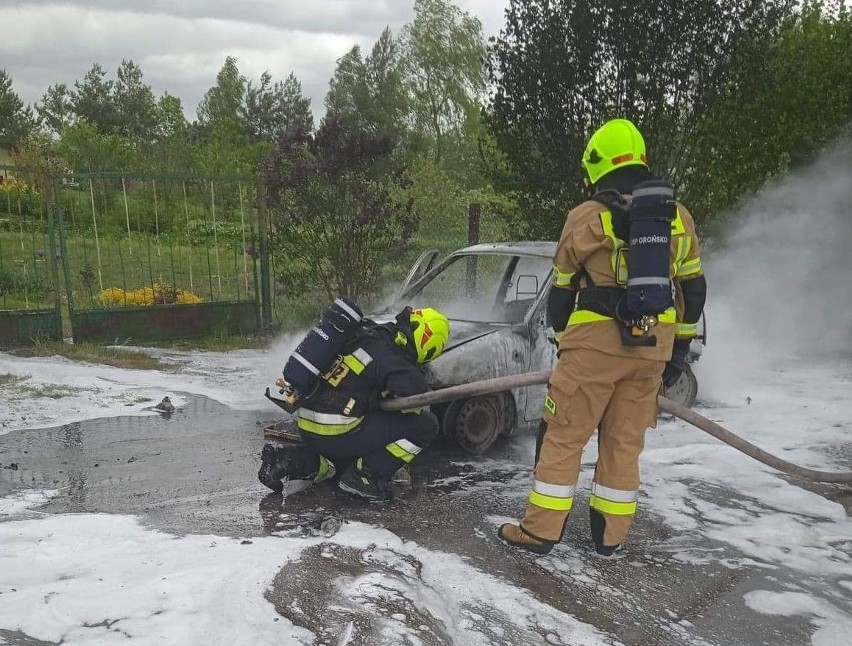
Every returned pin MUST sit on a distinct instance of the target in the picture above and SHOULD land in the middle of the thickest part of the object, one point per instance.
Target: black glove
(677, 364)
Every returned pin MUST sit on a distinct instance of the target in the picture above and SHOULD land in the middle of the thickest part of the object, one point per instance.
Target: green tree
(220, 111)
(86, 149)
(334, 215)
(15, 118)
(55, 112)
(444, 57)
(347, 89)
(560, 68)
(173, 149)
(135, 104)
(368, 94)
(270, 109)
(170, 118)
(93, 100)
(796, 103)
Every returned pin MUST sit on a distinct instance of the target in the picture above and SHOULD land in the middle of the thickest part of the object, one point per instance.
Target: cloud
(180, 46)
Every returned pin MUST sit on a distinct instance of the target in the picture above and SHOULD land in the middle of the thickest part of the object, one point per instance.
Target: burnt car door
(527, 300)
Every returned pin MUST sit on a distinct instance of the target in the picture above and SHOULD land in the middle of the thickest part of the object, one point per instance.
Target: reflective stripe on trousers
(551, 496)
(326, 423)
(403, 449)
(617, 502)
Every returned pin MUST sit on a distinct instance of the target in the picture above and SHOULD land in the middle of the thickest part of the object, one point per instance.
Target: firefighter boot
(598, 524)
(358, 480)
(291, 462)
(515, 536)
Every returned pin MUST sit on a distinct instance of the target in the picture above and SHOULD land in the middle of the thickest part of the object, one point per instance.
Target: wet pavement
(193, 472)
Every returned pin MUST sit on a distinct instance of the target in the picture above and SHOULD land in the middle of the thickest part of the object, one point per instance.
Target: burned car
(495, 296)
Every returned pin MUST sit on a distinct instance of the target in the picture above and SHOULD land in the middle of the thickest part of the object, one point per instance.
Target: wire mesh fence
(120, 257)
(139, 250)
(142, 240)
(26, 280)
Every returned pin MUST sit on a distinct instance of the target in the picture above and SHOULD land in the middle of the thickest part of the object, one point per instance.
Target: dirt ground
(194, 473)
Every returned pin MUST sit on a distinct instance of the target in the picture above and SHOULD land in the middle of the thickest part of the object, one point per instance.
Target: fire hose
(499, 384)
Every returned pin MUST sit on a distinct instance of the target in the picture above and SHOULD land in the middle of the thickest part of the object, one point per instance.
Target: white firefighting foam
(777, 291)
(780, 285)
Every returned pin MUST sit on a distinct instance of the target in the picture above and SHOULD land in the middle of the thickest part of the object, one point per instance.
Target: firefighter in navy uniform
(342, 427)
(625, 256)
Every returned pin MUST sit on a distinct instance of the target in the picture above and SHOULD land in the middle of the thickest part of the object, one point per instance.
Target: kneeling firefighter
(627, 295)
(335, 381)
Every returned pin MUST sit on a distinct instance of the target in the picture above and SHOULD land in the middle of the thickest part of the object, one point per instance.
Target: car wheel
(478, 423)
(685, 389)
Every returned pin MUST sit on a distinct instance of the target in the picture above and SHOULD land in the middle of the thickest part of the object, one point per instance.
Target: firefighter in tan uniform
(622, 255)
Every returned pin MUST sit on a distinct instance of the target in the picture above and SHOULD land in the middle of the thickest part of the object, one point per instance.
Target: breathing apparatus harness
(321, 357)
(340, 325)
(645, 225)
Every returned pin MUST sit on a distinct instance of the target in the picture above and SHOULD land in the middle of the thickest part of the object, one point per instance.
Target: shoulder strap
(620, 209)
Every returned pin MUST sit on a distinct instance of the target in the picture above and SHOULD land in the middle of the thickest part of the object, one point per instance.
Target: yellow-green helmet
(616, 144)
(430, 330)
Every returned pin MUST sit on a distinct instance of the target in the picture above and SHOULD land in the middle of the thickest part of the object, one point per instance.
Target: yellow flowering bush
(14, 186)
(159, 294)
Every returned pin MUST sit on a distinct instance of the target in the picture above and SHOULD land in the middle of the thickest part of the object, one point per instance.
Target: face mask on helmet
(430, 330)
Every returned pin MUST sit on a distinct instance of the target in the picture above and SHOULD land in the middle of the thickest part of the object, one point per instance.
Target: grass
(216, 343)
(7, 379)
(12, 384)
(93, 353)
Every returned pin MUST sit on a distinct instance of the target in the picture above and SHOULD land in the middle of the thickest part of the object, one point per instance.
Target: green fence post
(263, 233)
(256, 282)
(53, 202)
(63, 252)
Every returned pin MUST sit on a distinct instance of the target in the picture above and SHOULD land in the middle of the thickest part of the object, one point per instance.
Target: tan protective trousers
(592, 390)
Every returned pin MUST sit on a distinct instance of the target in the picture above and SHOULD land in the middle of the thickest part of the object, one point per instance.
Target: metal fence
(150, 257)
(131, 257)
(134, 257)
(29, 295)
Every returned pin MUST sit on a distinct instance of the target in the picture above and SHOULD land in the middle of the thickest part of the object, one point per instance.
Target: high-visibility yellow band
(610, 507)
(562, 278)
(328, 429)
(354, 364)
(684, 243)
(689, 268)
(578, 317)
(677, 224)
(398, 452)
(687, 329)
(325, 469)
(669, 316)
(551, 502)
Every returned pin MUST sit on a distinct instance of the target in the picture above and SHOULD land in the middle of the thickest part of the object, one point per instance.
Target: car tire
(476, 423)
(685, 390)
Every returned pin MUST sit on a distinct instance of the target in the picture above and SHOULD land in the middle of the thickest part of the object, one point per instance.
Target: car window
(494, 288)
(529, 275)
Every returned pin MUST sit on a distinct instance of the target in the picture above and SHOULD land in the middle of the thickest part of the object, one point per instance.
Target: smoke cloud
(780, 284)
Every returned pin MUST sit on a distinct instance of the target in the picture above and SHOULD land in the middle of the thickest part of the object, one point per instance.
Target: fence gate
(149, 257)
(30, 307)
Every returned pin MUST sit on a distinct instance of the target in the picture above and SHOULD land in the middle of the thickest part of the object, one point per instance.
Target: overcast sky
(181, 44)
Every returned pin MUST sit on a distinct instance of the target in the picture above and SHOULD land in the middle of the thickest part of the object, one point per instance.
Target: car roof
(543, 248)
